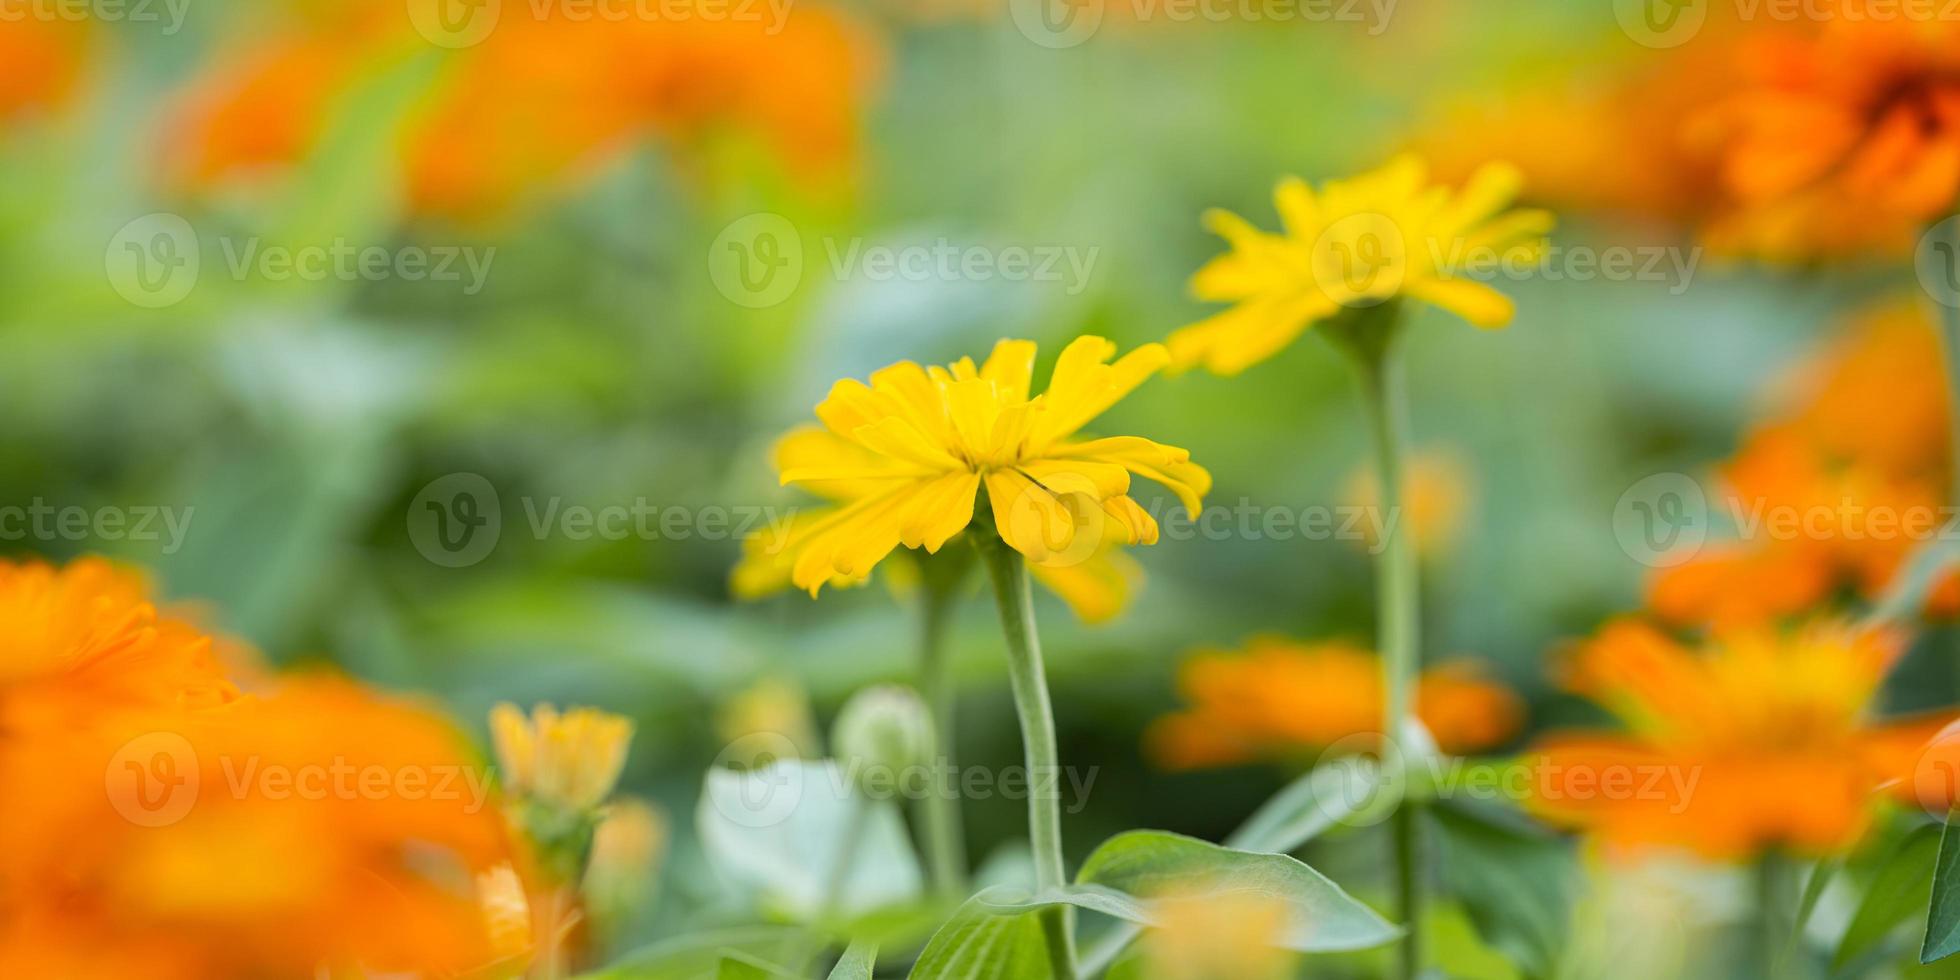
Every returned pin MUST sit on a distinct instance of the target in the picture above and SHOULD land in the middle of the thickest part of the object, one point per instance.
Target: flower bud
(569, 761)
(885, 726)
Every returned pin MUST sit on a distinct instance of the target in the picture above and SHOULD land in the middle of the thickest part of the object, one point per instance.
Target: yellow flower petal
(1472, 300)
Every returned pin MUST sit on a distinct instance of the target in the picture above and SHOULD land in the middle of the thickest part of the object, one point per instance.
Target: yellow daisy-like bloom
(1096, 589)
(907, 455)
(1359, 242)
(570, 760)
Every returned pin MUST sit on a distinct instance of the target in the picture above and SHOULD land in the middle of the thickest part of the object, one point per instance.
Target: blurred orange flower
(1846, 139)
(1834, 493)
(1596, 140)
(318, 827)
(1877, 394)
(84, 639)
(1282, 698)
(44, 56)
(538, 101)
(1435, 494)
(1760, 739)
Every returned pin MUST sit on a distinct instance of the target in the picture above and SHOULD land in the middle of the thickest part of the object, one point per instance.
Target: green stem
(945, 839)
(1027, 677)
(1397, 623)
(1370, 337)
(1407, 828)
(1776, 911)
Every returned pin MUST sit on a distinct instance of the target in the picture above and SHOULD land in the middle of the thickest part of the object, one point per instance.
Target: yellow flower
(570, 760)
(907, 455)
(1097, 589)
(1358, 242)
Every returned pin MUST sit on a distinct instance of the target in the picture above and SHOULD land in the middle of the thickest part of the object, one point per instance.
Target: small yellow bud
(570, 760)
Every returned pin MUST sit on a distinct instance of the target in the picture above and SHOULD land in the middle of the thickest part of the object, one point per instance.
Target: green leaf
(1896, 892)
(781, 830)
(1143, 864)
(1943, 913)
(1339, 792)
(857, 962)
(736, 966)
(699, 955)
(1813, 890)
(1515, 884)
(994, 936)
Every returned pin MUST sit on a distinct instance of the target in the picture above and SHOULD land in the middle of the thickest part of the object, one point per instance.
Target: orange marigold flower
(85, 639)
(1596, 140)
(317, 830)
(1837, 491)
(1877, 394)
(1842, 139)
(538, 101)
(44, 58)
(1731, 582)
(1760, 739)
(1282, 698)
